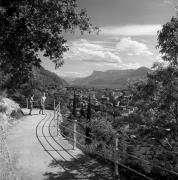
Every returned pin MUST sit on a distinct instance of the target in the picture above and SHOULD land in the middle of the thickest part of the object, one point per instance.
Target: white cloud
(168, 2)
(84, 50)
(132, 30)
(171, 2)
(73, 74)
(107, 54)
(119, 65)
(133, 47)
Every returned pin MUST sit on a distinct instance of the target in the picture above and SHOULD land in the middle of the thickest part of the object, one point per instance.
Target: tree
(88, 128)
(168, 41)
(156, 98)
(82, 111)
(74, 105)
(89, 110)
(31, 26)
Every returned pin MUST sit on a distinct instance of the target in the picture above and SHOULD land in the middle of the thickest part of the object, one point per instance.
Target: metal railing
(89, 145)
(24, 103)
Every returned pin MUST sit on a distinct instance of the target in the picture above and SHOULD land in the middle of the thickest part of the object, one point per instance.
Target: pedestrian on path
(31, 103)
(42, 103)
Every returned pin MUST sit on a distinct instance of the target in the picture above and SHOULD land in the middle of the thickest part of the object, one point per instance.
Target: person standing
(31, 103)
(42, 103)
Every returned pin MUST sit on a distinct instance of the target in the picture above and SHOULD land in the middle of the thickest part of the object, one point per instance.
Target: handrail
(167, 170)
(66, 127)
(84, 136)
(108, 147)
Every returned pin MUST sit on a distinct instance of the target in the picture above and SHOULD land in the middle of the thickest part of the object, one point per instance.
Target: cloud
(108, 54)
(131, 30)
(119, 65)
(170, 2)
(133, 47)
(88, 51)
(73, 74)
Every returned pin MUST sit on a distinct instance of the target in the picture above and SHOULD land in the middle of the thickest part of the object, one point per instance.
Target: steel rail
(67, 136)
(61, 146)
(84, 136)
(122, 165)
(70, 153)
(76, 132)
(152, 164)
(65, 127)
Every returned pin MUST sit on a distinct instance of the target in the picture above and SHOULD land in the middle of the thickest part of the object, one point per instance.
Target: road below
(38, 153)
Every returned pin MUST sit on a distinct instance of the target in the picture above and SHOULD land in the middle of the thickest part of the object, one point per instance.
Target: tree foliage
(74, 105)
(168, 41)
(30, 26)
(89, 109)
(156, 98)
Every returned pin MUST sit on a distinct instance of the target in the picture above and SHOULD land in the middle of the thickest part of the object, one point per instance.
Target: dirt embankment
(9, 113)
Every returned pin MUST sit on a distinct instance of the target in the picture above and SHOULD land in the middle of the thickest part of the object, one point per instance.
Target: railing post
(75, 136)
(54, 107)
(116, 154)
(57, 119)
(27, 103)
(124, 145)
(54, 104)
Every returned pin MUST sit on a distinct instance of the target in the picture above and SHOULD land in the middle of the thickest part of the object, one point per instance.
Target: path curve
(39, 154)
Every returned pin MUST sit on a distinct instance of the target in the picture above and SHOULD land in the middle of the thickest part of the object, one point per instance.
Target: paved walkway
(38, 154)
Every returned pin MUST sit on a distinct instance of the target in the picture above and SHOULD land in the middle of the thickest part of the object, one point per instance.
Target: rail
(24, 102)
(89, 145)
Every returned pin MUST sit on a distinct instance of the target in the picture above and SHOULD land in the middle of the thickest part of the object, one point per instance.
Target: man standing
(42, 103)
(31, 103)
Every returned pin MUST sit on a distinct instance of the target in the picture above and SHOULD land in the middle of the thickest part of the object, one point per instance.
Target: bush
(17, 114)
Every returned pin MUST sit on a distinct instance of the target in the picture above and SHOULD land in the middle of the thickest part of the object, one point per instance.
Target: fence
(115, 152)
(24, 103)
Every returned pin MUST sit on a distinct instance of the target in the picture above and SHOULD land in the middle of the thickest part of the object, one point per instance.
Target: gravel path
(37, 153)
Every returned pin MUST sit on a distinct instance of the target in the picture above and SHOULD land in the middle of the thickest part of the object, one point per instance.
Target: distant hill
(42, 80)
(46, 78)
(69, 79)
(111, 78)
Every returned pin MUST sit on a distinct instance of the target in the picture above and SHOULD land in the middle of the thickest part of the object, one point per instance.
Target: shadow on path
(82, 167)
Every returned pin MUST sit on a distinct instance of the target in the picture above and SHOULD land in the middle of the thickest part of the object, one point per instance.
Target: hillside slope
(111, 78)
(45, 78)
(41, 81)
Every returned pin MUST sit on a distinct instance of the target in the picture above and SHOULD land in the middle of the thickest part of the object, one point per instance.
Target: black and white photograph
(88, 89)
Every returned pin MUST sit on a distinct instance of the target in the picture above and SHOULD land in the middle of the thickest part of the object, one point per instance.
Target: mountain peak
(111, 78)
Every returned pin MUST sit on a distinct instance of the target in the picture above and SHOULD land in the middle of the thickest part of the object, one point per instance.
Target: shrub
(17, 114)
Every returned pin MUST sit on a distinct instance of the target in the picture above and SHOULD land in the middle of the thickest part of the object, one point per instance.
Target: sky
(127, 39)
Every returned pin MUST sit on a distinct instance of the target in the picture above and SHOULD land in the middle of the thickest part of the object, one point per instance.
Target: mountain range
(47, 78)
(109, 79)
